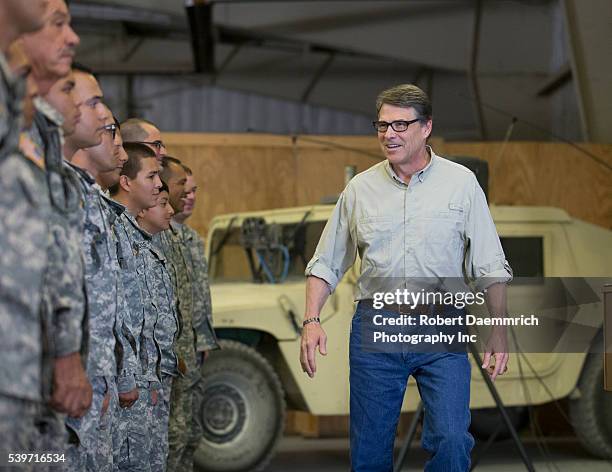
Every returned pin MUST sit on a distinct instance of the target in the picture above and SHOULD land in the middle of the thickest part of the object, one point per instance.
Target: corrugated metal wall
(178, 103)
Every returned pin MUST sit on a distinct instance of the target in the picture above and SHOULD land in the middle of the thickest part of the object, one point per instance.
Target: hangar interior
(271, 103)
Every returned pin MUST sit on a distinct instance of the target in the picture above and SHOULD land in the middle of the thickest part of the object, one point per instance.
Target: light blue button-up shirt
(437, 225)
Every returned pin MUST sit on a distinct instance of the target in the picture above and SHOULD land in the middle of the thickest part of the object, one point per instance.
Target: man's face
(190, 196)
(63, 99)
(176, 184)
(402, 147)
(154, 136)
(94, 114)
(27, 15)
(119, 153)
(20, 65)
(52, 49)
(159, 216)
(144, 189)
(102, 156)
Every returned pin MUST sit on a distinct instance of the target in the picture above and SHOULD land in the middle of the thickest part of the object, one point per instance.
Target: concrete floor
(296, 454)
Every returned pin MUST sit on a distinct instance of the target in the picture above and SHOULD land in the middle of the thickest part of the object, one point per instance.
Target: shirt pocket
(374, 236)
(442, 233)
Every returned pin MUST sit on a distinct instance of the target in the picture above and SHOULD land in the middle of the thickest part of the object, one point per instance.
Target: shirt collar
(10, 78)
(175, 227)
(49, 111)
(421, 175)
(145, 234)
(85, 175)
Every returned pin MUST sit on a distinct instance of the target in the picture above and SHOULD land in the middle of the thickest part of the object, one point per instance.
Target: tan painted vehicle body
(258, 305)
(569, 248)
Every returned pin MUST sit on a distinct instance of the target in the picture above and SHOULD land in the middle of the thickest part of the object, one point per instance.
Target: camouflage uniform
(134, 448)
(24, 241)
(202, 310)
(184, 429)
(202, 320)
(112, 347)
(63, 304)
(167, 330)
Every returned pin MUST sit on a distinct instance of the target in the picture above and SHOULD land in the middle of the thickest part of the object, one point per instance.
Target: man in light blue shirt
(413, 219)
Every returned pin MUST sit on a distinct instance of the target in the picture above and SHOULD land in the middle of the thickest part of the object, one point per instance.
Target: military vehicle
(257, 260)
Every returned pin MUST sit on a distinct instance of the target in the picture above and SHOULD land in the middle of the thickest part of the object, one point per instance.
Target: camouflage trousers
(52, 438)
(133, 434)
(159, 431)
(18, 431)
(184, 428)
(92, 433)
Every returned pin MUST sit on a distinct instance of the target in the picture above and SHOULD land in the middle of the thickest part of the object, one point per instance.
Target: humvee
(257, 261)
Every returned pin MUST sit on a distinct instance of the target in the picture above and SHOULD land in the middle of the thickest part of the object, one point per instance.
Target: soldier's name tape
(14, 458)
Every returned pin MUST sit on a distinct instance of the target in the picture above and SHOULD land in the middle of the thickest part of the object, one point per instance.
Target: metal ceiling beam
(552, 84)
(317, 77)
(473, 70)
(118, 13)
(589, 35)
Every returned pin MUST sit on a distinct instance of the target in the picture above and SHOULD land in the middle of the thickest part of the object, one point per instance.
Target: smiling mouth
(392, 146)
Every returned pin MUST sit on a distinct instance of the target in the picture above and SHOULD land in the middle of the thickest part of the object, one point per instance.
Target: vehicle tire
(485, 422)
(242, 410)
(591, 414)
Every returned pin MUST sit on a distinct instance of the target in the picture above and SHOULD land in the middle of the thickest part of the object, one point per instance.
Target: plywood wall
(240, 172)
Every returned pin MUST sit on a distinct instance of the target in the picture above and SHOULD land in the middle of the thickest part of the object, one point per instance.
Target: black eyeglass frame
(393, 125)
(112, 129)
(157, 144)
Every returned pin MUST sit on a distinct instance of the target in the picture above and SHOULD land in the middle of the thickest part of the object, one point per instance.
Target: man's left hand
(201, 357)
(497, 347)
(72, 393)
(127, 399)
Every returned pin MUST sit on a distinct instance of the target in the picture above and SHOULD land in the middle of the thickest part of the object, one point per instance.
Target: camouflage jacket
(202, 305)
(11, 93)
(176, 253)
(168, 326)
(24, 240)
(142, 313)
(112, 347)
(64, 291)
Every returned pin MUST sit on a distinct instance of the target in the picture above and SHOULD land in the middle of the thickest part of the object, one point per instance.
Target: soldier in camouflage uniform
(202, 312)
(137, 190)
(140, 131)
(112, 346)
(167, 328)
(23, 211)
(183, 431)
(64, 297)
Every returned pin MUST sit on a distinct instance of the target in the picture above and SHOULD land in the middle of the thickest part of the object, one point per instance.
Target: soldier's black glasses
(397, 125)
(156, 144)
(112, 129)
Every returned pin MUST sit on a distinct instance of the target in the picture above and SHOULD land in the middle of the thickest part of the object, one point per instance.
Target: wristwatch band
(311, 320)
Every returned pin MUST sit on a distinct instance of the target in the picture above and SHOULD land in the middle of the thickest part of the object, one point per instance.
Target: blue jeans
(377, 386)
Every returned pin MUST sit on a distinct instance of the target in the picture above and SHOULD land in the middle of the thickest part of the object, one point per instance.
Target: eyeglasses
(156, 144)
(111, 129)
(397, 125)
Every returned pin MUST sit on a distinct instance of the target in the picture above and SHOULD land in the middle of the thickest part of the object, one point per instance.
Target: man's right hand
(313, 335)
(127, 399)
(72, 391)
(105, 403)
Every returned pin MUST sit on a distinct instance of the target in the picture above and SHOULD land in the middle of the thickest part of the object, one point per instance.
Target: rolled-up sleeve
(485, 261)
(337, 249)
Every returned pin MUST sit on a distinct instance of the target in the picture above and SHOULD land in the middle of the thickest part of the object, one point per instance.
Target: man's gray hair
(132, 130)
(406, 96)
